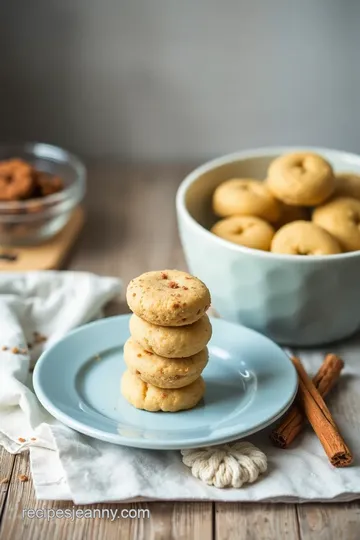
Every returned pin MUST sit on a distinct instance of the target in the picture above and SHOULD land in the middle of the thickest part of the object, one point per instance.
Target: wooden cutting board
(46, 256)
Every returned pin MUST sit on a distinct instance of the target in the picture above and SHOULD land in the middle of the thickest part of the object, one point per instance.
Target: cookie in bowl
(249, 231)
(304, 238)
(40, 187)
(341, 218)
(17, 180)
(245, 197)
(301, 179)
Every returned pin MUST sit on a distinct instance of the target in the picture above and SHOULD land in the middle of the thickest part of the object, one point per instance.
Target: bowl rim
(77, 189)
(266, 151)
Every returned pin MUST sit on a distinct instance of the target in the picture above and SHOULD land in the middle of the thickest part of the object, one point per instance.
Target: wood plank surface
(131, 228)
(180, 521)
(131, 221)
(329, 521)
(239, 521)
(6, 467)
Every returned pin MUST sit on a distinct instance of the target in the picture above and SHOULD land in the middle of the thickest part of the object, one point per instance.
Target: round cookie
(301, 179)
(249, 231)
(171, 341)
(347, 185)
(168, 297)
(245, 197)
(163, 372)
(304, 238)
(291, 213)
(16, 180)
(341, 218)
(146, 396)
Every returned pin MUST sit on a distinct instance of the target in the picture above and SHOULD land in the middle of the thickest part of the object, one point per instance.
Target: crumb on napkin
(39, 338)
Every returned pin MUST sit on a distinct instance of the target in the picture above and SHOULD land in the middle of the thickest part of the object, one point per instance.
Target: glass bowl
(32, 221)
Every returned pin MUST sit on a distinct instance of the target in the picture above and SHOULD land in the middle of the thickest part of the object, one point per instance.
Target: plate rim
(137, 442)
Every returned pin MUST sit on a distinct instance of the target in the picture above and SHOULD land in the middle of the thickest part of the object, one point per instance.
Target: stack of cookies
(166, 352)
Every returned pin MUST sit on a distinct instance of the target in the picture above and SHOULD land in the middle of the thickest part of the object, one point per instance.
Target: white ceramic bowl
(295, 300)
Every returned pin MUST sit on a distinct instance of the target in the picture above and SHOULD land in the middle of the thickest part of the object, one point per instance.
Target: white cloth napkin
(67, 465)
(50, 304)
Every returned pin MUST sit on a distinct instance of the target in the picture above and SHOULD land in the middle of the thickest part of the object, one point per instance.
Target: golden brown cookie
(304, 238)
(347, 185)
(168, 297)
(245, 197)
(171, 341)
(16, 180)
(301, 179)
(292, 213)
(249, 231)
(341, 218)
(163, 372)
(146, 396)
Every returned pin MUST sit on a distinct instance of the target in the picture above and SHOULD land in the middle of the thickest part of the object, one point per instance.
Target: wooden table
(131, 228)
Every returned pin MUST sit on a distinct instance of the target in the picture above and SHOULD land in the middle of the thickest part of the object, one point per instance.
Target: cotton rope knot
(227, 465)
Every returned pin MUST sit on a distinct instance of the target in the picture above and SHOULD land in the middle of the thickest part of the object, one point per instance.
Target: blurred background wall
(180, 79)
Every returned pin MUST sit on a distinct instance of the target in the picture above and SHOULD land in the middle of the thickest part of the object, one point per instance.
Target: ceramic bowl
(295, 300)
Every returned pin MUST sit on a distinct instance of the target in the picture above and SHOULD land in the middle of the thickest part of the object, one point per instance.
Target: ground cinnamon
(293, 422)
(320, 419)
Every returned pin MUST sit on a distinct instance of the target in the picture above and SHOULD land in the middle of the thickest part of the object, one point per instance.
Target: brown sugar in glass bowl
(40, 185)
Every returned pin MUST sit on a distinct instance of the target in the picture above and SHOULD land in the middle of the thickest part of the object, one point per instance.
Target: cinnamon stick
(321, 420)
(293, 422)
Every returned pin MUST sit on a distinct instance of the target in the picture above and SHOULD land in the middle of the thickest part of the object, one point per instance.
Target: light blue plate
(250, 383)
